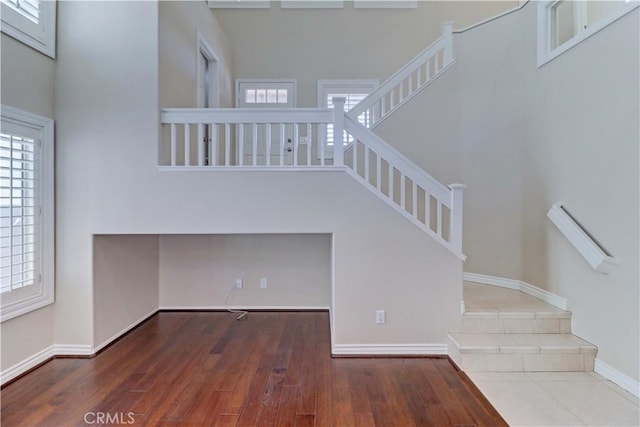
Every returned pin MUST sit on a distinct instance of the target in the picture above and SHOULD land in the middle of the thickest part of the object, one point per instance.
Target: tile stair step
(521, 352)
(526, 322)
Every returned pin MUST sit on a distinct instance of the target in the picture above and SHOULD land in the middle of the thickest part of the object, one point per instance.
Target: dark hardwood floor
(185, 368)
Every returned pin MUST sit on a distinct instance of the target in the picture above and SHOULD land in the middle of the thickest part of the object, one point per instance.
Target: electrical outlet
(380, 317)
(238, 283)
(263, 283)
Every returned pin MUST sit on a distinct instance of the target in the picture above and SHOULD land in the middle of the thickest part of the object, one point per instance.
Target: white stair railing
(433, 207)
(260, 139)
(409, 80)
(244, 137)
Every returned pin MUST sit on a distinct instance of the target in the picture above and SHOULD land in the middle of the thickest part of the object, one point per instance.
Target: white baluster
(254, 141)
(322, 145)
(200, 144)
(338, 131)
(187, 144)
(241, 144)
(455, 233)
(227, 145)
(214, 145)
(296, 142)
(173, 144)
(308, 144)
(267, 139)
(282, 136)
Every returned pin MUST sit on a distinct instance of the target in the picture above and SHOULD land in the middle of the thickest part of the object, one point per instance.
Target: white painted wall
(125, 283)
(201, 270)
(523, 138)
(107, 126)
(347, 43)
(27, 83)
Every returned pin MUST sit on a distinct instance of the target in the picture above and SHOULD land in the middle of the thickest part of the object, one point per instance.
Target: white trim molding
(518, 285)
(74, 350)
(27, 364)
(389, 349)
(617, 377)
(594, 253)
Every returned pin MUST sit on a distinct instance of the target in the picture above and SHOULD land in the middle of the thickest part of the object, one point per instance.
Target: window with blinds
(32, 22)
(17, 212)
(26, 212)
(352, 99)
(30, 9)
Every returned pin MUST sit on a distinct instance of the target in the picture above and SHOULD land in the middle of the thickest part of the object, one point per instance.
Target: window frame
(325, 87)
(43, 292)
(545, 29)
(40, 36)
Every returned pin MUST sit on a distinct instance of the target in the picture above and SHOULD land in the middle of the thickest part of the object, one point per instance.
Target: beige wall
(347, 43)
(297, 268)
(582, 150)
(27, 83)
(125, 283)
(27, 78)
(178, 25)
(523, 138)
(466, 128)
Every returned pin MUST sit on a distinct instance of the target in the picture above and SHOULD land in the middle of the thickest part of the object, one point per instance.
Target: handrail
(398, 160)
(406, 202)
(417, 72)
(246, 115)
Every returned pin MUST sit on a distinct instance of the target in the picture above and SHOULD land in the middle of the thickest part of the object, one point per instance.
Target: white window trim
(293, 81)
(544, 22)
(40, 36)
(239, 4)
(45, 295)
(204, 48)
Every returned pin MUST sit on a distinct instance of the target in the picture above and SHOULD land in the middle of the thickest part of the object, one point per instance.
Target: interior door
(266, 94)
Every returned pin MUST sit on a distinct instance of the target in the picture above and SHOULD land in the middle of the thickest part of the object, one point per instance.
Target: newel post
(455, 232)
(338, 130)
(447, 35)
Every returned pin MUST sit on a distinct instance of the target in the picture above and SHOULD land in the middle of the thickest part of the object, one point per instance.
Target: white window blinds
(30, 9)
(18, 212)
(352, 99)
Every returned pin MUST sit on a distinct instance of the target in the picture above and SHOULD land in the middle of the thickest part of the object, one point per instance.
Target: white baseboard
(617, 377)
(389, 349)
(73, 350)
(244, 307)
(124, 331)
(534, 291)
(28, 363)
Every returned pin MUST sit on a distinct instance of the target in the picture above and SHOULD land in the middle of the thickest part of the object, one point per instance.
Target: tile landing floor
(547, 398)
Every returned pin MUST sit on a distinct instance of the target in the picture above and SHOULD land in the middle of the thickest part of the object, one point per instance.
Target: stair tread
(497, 314)
(521, 343)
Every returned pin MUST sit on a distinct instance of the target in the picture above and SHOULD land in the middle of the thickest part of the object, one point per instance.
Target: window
(353, 91)
(265, 93)
(26, 212)
(563, 24)
(33, 22)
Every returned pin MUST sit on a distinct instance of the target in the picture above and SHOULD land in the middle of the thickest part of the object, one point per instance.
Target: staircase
(505, 330)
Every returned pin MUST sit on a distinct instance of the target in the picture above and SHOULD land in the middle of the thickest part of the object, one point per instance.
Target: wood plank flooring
(273, 369)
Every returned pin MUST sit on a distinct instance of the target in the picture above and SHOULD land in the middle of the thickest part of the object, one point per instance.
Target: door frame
(204, 48)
